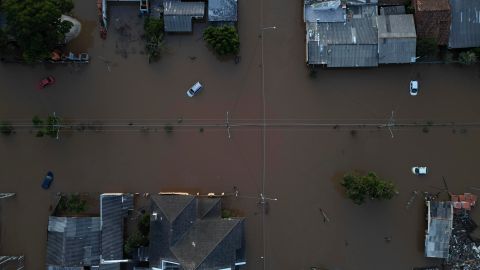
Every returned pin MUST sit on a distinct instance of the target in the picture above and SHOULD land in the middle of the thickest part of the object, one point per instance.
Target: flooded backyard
(318, 129)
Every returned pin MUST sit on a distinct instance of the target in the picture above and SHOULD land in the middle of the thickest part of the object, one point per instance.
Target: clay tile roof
(432, 5)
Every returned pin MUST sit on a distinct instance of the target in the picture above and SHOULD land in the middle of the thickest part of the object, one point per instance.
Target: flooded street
(132, 100)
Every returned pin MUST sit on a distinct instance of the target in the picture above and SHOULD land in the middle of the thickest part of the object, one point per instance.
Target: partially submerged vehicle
(419, 170)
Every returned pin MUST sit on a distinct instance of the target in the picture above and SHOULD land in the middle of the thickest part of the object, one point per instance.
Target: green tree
(36, 26)
(360, 187)
(3, 41)
(427, 47)
(50, 127)
(154, 33)
(467, 58)
(224, 40)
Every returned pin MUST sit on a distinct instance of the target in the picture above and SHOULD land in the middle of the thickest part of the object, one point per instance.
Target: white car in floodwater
(413, 88)
(419, 170)
(194, 89)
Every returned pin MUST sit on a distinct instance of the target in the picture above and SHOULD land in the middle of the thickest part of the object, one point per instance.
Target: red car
(46, 82)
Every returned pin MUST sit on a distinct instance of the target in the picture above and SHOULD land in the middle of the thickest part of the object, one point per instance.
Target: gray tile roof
(439, 229)
(222, 10)
(73, 241)
(178, 15)
(312, 14)
(350, 44)
(396, 39)
(202, 243)
(465, 28)
(113, 209)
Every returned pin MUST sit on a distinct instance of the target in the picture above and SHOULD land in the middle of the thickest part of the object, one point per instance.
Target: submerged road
(309, 139)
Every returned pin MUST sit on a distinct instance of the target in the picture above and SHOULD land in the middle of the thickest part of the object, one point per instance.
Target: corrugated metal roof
(194, 9)
(222, 10)
(312, 14)
(327, 43)
(396, 39)
(352, 55)
(178, 15)
(465, 28)
(439, 230)
(397, 51)
(113, 208)
(73, 241)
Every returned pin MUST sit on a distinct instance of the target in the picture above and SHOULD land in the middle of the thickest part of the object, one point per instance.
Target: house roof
(432, 5)
(209, 207)
(200, 241)
(113, 209)
(73, 241)
(172, 205)
(206, 240)
(222, 10)
(327, 11)
(350, 44)
(396, 26)
(439, 229)
(353, 56)
(465, 27)
(178, 15)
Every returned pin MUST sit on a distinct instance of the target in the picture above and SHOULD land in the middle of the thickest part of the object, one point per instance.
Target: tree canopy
(359, 187)
(224, 40)
(36, 26)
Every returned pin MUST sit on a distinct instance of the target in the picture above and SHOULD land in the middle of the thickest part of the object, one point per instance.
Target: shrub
(224, 40)
(134, 241)
(467, 58)
(154, 33)
(72, 204)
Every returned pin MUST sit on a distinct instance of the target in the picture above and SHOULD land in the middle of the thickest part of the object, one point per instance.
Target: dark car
(47, 181)
(46, 82)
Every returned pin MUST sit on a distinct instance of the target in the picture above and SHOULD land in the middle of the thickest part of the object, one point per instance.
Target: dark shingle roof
(113, 207)
(172, 205)
(178, 15)
(197, 237)
(222, 10)
(200, 241)
(209, 207)
(73, 241)
(465, 28)
(392, 10)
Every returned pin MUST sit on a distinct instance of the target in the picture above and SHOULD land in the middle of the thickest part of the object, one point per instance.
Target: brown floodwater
(303, 164)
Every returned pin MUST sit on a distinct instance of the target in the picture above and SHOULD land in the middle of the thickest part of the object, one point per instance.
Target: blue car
(47, 181)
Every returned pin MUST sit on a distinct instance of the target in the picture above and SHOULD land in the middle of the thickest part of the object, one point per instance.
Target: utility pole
(227, 125)
(390, 123)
